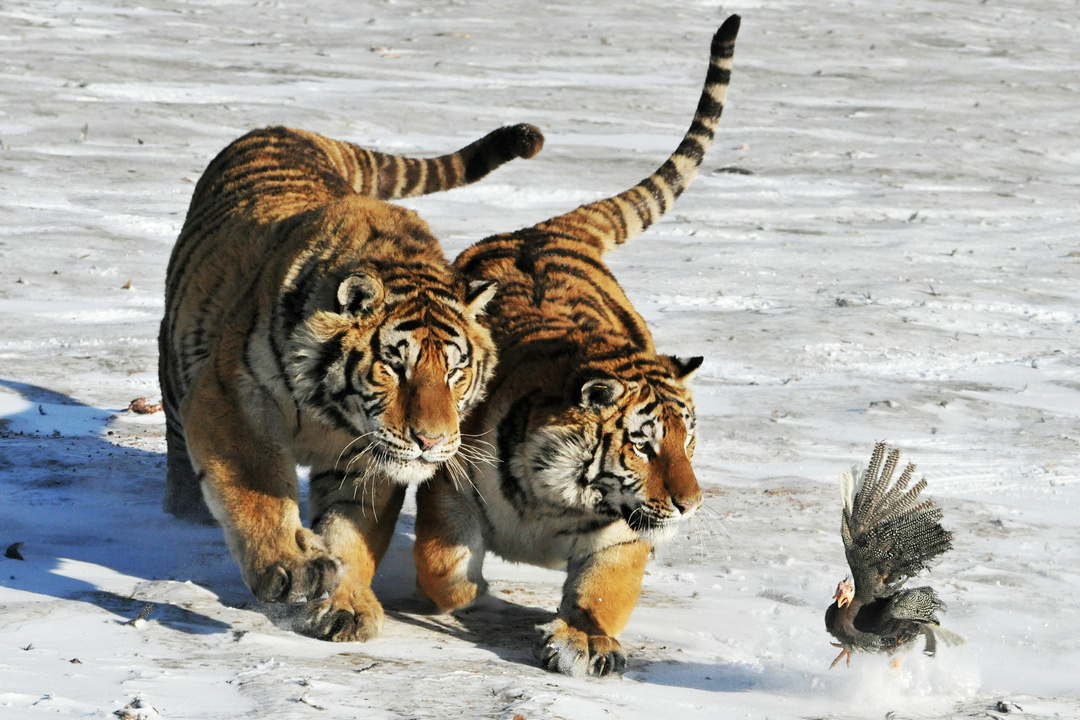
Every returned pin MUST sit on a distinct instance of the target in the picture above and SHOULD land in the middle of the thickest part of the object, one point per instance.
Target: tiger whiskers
(455, 470)
(455, 466)
(713, 520)
(361, 484)
(476, 437)
(372, 448)
(474, 455)
(351, 443)
(640, 510)
(707, 523)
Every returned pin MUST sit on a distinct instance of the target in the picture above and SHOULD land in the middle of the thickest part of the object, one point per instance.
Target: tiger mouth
(405, 464)
(650, 525)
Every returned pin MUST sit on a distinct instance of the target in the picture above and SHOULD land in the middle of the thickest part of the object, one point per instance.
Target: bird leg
(843, 651)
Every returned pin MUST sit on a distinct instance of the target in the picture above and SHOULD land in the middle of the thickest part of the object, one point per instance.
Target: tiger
(309, 322)
(589, 430)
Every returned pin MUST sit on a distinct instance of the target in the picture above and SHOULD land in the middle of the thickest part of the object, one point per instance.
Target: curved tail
(276, 172)
(615, 220)
(388, 177)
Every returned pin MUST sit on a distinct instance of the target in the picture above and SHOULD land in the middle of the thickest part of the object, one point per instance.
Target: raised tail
(615, 220)
(889, 533)
(387, 177)
(276, 172)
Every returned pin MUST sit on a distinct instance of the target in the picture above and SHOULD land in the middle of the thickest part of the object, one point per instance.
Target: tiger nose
(425, 442)
(687, 505)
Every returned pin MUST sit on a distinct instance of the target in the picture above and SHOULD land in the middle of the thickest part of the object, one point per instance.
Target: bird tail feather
(935, 634)
(891, 521)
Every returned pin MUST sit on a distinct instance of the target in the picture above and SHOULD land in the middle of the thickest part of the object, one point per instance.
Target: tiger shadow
(507, 630)
(510, 631)
(83, 513)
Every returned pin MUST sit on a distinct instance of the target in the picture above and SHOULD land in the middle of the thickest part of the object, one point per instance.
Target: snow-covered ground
(901, 263)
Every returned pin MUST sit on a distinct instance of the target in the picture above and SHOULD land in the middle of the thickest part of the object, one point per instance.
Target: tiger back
(307, 321)
(591, 430)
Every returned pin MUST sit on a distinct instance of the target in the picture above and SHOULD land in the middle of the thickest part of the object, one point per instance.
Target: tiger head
(388, 352)
(616, 445)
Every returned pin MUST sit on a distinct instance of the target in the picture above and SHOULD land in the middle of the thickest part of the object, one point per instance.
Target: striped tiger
(308, 322)
(590, 428)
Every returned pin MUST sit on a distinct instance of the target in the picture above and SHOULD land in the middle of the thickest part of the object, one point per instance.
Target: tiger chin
(310, 323)
(590, 430)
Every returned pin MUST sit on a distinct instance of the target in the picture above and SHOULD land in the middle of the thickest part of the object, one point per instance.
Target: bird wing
(889, 534)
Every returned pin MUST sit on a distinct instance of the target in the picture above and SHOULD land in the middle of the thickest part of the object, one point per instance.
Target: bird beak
(842, 596)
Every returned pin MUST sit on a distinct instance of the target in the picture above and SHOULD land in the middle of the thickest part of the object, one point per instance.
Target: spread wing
(889, 533)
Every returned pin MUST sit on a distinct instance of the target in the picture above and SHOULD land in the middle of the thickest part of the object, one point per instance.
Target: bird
(890, 535)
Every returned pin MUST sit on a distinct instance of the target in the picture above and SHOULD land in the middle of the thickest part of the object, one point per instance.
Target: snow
(902, 265)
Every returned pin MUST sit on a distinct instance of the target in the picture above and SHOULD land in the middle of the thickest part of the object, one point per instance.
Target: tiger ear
(601, 393)
(684, 369)
(359, 294)
(478, 295)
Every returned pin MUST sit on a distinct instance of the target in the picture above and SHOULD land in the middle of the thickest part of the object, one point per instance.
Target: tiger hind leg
(183, 491)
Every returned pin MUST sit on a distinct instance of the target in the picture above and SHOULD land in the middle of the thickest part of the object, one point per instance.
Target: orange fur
(309, 322)
(592, 430)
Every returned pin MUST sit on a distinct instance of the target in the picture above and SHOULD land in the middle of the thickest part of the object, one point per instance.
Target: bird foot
(843, 652)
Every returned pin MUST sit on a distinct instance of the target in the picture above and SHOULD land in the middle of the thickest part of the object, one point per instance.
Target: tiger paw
(567, 650)
(351, 614)
(309, 577)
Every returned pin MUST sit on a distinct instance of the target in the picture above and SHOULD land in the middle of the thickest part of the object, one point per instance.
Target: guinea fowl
(889, 535)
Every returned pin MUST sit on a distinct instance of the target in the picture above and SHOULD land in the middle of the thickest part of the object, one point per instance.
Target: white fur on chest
(542, 534)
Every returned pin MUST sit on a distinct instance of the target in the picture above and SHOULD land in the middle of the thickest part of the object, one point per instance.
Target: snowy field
(900, 261)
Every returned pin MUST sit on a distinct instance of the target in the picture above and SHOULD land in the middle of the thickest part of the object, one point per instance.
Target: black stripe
(650, 185)
(354, 359)
(512, 430)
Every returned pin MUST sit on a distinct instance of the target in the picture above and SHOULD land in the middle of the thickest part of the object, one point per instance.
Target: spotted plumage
(308, 322)
(582, 451)
(889, 535)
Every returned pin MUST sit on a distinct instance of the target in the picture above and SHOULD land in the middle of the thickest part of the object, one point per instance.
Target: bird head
(845, 592)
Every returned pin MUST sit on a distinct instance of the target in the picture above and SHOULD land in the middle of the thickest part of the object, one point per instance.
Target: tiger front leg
(250, 486)
(599, 595)
(449, 548)
(356, 521)
(281, 560)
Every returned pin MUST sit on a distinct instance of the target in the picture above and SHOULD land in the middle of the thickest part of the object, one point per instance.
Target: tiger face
(394, 364)
(621, 451)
